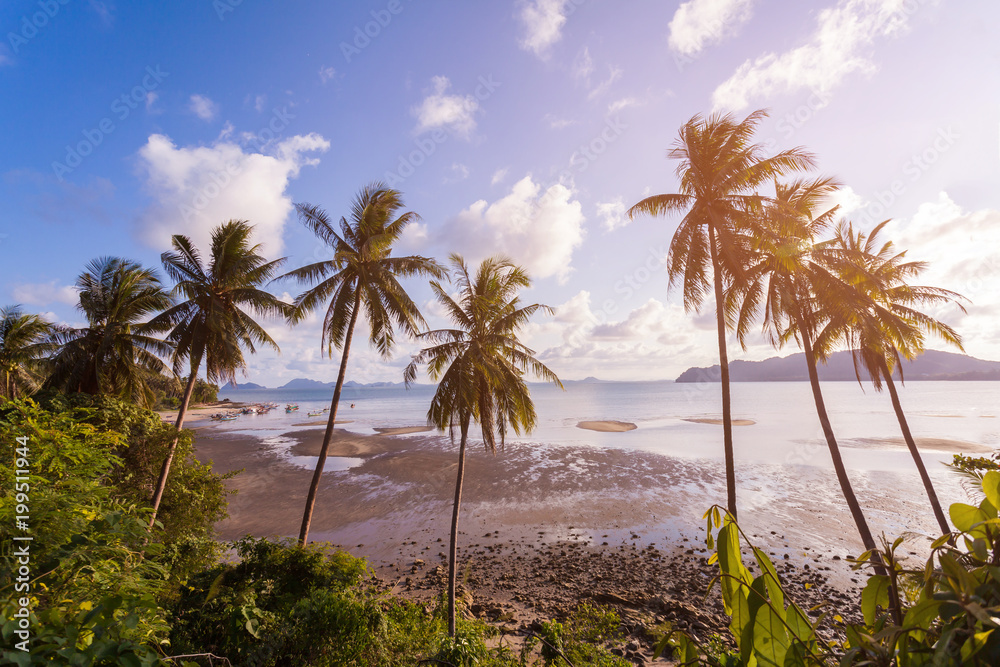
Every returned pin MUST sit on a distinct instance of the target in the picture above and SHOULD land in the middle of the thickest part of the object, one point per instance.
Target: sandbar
(608, 426)
(403, 430)
(718, 422)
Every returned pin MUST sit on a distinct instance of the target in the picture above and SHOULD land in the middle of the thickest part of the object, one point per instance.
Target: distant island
(931, 365)
(306, 383)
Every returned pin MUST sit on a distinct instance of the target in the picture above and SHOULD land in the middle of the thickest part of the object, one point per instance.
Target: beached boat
(291, 407)
(315, 414)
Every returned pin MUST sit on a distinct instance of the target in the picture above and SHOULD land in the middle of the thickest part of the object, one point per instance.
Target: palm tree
(362, 274)
(24, 342)
(720, 172)
(883, 325)
(117, 352)
(795, 280)
(212, 325)
(481, 366)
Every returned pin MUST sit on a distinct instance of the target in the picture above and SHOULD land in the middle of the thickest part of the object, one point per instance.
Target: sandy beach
(544, 527)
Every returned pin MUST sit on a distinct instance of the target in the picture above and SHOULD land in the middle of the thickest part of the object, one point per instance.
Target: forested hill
(931, 365)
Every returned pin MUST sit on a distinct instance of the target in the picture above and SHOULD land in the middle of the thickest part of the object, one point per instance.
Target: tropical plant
(794, 279)
(884, 324)
(481, 366)
(117, 352)
(362, 275)
(720, 171)
(25, 340)
(211, 324)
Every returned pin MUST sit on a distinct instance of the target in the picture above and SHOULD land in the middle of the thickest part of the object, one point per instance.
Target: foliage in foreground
(950, 617)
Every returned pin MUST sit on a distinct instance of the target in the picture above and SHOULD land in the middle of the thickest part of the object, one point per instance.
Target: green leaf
(770, 640)
(991, 487)
(875, 594)
(770, 575)
(966, 516)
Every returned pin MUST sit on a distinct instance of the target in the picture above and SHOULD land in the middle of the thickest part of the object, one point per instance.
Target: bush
(95, 590)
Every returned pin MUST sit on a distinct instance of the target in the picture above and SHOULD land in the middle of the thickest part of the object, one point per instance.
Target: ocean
(785, 431)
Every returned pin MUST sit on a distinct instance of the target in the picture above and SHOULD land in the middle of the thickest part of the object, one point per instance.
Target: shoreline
(536, 517)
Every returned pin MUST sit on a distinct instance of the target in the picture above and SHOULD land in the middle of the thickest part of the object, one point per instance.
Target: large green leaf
(991, 487)
(770, 575)
(966, 516)
(770, 639)
(875, 594)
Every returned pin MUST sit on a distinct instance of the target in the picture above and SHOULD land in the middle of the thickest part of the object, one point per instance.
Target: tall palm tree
(481, 366)
(884, 325)
(362, 275)
(211, 324)
(794, 279)
(117, 352)
(720, 171)
(25, 340)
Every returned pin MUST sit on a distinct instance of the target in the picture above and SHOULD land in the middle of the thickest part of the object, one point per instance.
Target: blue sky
(523, 126)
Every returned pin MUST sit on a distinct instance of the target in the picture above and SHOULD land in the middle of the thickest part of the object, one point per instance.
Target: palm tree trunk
(453, 547)
(161, 483)
(727, 417)
(845, 482)
(905, 428)
(328, 436)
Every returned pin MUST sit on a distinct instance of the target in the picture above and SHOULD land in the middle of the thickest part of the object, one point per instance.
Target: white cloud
(834, 51)
(259, 102)
(202, 107)
(614, 73)
(612, 213)
(459, 172)
(643, 322)
(44, 294)
(454, 112)
(151, 98)
(699, 23)
(498, 176)
(583, 66)
(962, 251)
(558, 123)
(624, 103)
(326, 74)
(539, 231)
(196, 188)
(543, 22)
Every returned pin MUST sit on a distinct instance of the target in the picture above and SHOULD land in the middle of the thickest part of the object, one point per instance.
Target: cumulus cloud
(456, 113)
(612, 213)
(203, 107)
(538, 230)
(962, 251)
(835, 50)
(498, 176)
(699, 23)
(44, 294)
(543, 21)
(196, 188)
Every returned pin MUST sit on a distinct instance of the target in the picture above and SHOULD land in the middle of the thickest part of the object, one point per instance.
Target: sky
(526, 127)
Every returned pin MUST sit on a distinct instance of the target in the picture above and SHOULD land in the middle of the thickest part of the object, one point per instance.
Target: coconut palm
(481, 366)
(794, 279)
(883, 324)
(362, 276)
(720, 171)
(118, 351)
(25, 340)
(213, 324)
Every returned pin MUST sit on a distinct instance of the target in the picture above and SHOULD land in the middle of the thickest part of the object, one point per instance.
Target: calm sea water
(786, 430)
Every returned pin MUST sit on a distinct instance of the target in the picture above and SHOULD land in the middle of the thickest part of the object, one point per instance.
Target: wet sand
(718, 422)
(609, 426)
(543, 527)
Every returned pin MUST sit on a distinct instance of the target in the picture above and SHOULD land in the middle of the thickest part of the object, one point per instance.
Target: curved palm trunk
(845, 482)
(453, 547)
(727, 417)
(905, 428)
(161, 483)
(328, 436)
